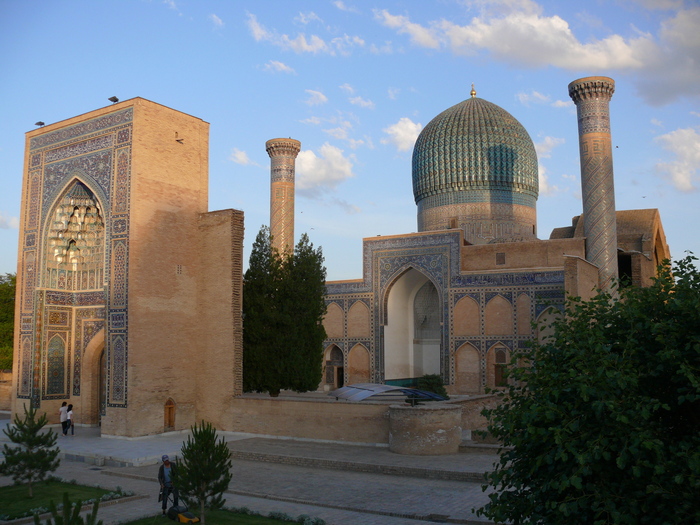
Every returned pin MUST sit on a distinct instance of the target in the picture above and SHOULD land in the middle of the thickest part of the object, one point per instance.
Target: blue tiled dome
(475, 151)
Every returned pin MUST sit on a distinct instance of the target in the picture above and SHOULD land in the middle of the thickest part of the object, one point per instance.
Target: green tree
(203, 472)
(33, 455)
(8, 284)
(70, 514)
(603, 426)
(283, 306)
(305, 304)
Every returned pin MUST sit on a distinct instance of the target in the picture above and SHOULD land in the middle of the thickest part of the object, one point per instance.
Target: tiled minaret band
(283, 154)
(592, 98)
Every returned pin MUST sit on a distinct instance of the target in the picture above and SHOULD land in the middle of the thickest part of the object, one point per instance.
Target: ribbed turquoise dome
(472, 152)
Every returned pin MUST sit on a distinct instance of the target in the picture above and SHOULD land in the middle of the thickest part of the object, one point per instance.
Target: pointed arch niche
(467, 370)
(358, 365)
(74, 247)
(412, 334)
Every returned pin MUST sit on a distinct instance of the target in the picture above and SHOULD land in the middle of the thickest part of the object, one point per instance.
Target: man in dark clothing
(165, 478)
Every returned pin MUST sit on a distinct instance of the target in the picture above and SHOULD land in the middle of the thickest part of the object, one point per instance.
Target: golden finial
(473, 91)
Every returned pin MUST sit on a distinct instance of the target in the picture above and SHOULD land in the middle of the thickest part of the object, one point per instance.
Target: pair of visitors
(165, 478)
(63, 418)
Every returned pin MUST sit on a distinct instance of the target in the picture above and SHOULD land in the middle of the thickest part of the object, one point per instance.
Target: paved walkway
(345, 484)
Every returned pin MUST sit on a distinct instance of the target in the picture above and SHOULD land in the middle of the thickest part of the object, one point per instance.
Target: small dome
(474, 152)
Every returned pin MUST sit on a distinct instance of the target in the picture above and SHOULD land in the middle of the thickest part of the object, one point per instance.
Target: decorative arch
(413, 313)
(358, 320)
(466, 318)
(498, 316)
(56, 366)
(358, 365)
(467, 370)
(523, 317)
(74, 240)
(169, 411)
(497, 359)
(545, 327)
(333, 321)
(334, 375)
(93, 379)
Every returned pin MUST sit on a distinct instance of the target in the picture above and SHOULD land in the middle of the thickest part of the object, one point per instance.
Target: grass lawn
(15, 500)
(219, 517)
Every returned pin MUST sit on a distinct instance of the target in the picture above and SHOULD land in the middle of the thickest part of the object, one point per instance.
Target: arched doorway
(335, 368)
(413, 329)
(94, 379)
(169, 415)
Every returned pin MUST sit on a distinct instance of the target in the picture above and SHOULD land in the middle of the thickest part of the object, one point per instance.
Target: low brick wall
(5, 389)
(471, 410)
(312, 419)
(429, 430)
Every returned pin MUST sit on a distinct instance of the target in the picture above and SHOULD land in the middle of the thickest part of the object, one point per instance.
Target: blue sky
(355, 81)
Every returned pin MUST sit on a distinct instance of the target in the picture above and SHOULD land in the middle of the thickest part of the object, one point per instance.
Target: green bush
(432, 383)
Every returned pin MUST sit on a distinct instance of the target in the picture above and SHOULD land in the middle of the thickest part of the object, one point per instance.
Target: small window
(500, 259)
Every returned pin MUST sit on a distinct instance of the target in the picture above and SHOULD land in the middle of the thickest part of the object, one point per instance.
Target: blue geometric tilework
(96, 152)
(56, 366)
(437, 256)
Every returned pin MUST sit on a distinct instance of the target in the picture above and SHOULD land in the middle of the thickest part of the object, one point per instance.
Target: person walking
(70, 421)
(63, 418)
(165, 478)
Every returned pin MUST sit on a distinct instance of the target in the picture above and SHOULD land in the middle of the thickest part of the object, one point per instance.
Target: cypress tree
(283, 306)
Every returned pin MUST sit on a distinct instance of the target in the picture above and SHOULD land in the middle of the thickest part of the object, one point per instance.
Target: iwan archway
(412, 333)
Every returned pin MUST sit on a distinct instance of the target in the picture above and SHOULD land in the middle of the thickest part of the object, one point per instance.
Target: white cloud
(563, 104)
(347, 88)
(305, 18)
(392, 92)
(340, 133)
(534, 97)
(657, 122)
(341, 5)
(385, 49)
(311, 120)
(316, 98)
(684, 171)
(8, 222)
(664, 66)
(318, 174)
(258, 30)
(241, 157)
(216, 20)
(302, 43)
(278, 67)
(419, 35)
(545, 147)
(546, 189)
(363, 103)
(403, 134)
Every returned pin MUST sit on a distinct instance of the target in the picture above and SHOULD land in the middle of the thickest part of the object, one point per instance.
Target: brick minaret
(592, 98)
(283, 153)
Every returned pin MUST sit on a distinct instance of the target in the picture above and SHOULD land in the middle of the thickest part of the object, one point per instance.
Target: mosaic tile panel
(56, 356)
(97, 152)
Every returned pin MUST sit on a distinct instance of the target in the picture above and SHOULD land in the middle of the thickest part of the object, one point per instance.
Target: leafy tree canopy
(604, 423)
(283, 306)
(8, 284)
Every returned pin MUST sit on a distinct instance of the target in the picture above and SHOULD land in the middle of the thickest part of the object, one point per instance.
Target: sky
(355, 81)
